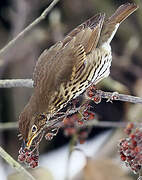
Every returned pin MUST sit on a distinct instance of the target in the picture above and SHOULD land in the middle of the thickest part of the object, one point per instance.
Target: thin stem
(120, 97)
(8, 125)
(14, 164)
(8, 83)
(95, 123)
(71, 149)
(28, 28)
(105, 124)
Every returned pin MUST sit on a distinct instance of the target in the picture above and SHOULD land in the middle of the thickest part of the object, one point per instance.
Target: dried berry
(49, 136)
(28, 159)
(21, 157)
(33, 164)
(69, 131)
(130, 148)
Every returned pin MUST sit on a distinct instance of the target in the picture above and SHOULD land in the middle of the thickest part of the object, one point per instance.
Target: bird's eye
(42, 116)
(34, 128)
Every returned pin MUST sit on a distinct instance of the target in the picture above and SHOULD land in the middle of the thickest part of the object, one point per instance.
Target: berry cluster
(70, 123)
(88, 115)
(130, 148)
(28, 157)
(93, 95)
(82, 136)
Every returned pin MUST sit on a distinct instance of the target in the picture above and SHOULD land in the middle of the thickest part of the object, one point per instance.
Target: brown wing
(88, 33)
(61, 61)
(112, 23)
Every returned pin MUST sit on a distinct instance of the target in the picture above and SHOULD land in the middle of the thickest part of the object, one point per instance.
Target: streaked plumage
(65, 70)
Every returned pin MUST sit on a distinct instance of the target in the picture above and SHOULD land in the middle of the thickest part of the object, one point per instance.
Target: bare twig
(119, 97)
(14, 164)
(106, 124)
(96, 123)
(8, 83)
(27, 29)
(8, 125)
(59, 123)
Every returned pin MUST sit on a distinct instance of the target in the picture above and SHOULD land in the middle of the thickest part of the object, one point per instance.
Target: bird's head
(31, 128)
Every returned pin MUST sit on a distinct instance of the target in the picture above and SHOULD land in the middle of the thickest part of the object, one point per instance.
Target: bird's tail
(111, 25)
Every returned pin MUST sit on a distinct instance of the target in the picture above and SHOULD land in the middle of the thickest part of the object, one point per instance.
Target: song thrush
(64, 71)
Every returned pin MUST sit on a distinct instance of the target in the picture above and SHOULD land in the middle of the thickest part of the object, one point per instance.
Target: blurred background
(19, 62)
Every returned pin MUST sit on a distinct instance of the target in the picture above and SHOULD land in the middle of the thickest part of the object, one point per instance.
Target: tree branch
(9, 83)
(28, 28)
(93, 123)
(14, 164)
(58, 123)
(119, 97)
(8, 125)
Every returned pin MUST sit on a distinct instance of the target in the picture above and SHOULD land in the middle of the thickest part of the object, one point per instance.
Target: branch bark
(10, 83)
(14, 125)
(8, 125)
(28, 28)
(14, 164)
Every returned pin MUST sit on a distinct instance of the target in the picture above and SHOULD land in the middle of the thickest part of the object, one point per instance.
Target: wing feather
(62, 61)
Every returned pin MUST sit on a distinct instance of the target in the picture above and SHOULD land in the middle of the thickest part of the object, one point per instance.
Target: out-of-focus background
(19, 62)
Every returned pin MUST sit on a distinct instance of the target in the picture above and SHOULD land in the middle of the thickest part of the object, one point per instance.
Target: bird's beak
(29, 142)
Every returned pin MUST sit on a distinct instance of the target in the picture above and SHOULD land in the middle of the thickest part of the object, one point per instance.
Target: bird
(65, 70)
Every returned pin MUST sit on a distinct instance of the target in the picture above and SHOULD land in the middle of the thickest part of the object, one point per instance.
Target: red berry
(129, 128)
(90, 93)
(27, 153)
(69, 131)
(97, 99)
(137, 149)
(80, 122)
(28, 159)
(123, 157)
(75, 117)
(83, 134)
(49, 136)
(81, 141)
(91, 116)
(21, 157)
(132, 136)
(33, 164)
(66, 121)
(134, 143)
(35, 158)
(85, 113)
